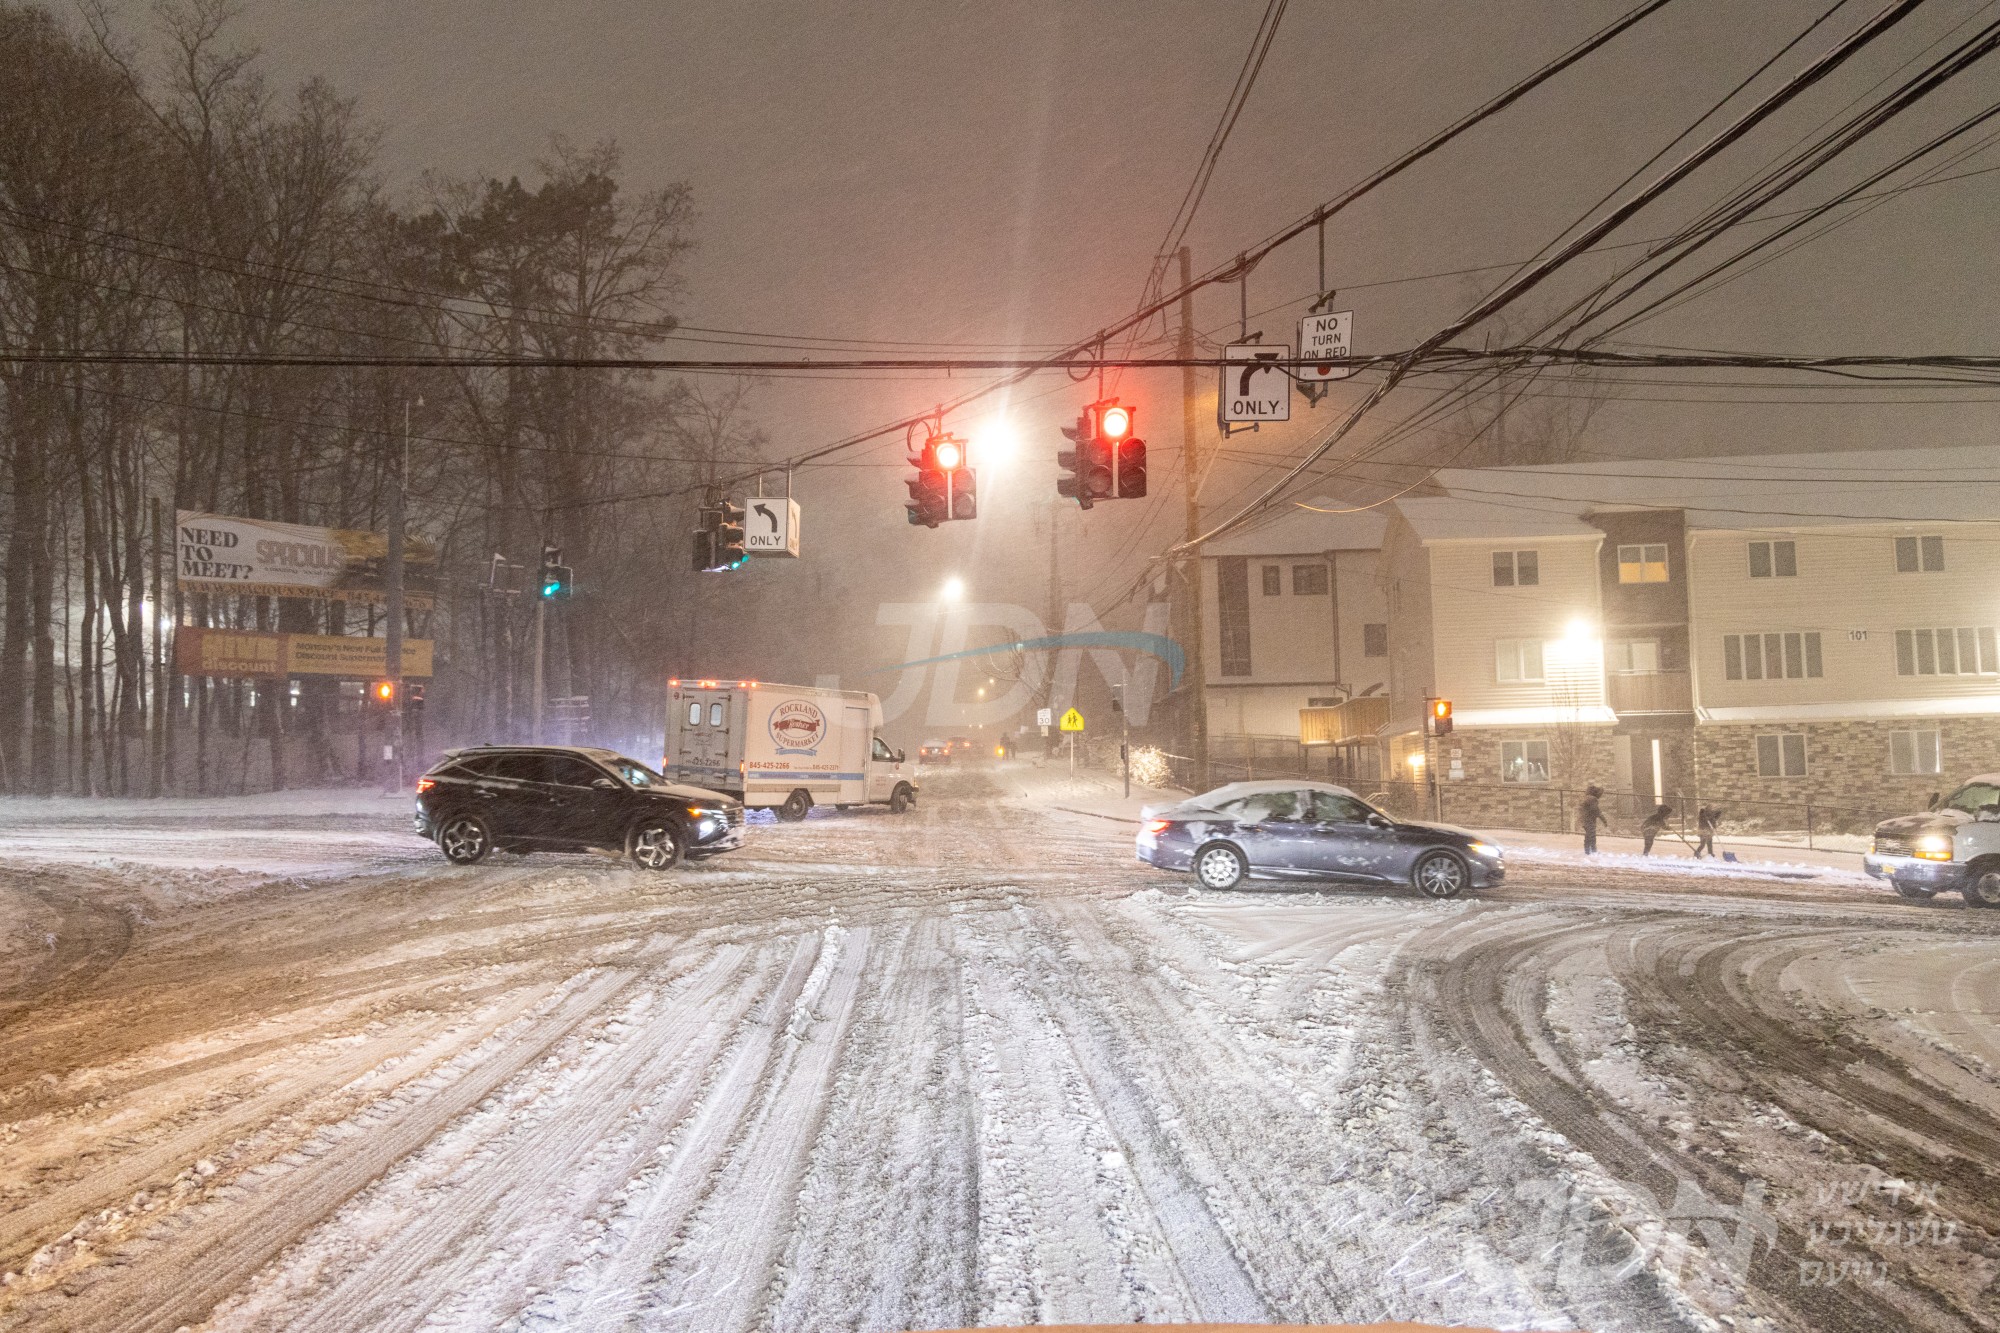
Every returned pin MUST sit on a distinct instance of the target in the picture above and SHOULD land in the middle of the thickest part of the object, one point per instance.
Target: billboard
(242, 652)
(257, 557)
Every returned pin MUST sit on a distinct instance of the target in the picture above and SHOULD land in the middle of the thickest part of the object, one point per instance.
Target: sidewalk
(1091, 792)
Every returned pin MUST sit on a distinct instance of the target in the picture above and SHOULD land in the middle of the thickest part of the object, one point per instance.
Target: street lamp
(954, 589)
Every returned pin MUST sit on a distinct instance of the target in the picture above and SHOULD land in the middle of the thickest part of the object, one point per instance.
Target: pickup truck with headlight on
(1956, 846)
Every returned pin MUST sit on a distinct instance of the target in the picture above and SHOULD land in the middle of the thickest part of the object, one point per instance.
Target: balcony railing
(1651, 692)
(1355, 720)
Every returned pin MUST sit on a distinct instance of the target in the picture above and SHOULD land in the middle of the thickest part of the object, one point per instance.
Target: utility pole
(393, 649)
(1191, 473)
(541, 651)
(1054, 625)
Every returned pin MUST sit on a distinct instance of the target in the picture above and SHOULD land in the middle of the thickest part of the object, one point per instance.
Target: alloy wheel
(655, 847)
(1220, 868)
(463, 840)
(1441, 875)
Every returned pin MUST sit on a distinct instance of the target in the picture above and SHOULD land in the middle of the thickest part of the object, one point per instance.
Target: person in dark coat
(1589, 815)
(1651, 826)
(1706, 820)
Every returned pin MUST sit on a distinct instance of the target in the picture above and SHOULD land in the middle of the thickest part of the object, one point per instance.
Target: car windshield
(1974, 797)
(636, 773)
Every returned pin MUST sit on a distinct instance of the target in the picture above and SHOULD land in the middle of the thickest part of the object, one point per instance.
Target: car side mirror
(604, 784)
(899, 756)
(1988, 814)
(1376, 819)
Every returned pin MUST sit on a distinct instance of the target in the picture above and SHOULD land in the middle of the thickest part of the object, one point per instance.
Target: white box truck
(784, 747)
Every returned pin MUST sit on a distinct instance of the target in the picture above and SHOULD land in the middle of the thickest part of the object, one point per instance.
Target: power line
(1528, 279)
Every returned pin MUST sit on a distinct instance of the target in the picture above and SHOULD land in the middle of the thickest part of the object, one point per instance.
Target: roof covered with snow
(1307, 529)
(1742, 491)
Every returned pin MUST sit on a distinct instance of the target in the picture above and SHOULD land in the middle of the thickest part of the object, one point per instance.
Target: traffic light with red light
(1440, 717)
(1107, 463)
(944, 487)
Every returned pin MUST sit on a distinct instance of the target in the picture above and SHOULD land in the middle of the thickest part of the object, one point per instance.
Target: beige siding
(1470, 616)
(1293, 641)
(1847, 584)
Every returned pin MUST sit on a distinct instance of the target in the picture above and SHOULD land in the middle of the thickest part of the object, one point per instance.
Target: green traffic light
(551, 589)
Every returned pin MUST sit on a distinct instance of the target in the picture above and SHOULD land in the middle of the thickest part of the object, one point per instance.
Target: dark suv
(561, 798)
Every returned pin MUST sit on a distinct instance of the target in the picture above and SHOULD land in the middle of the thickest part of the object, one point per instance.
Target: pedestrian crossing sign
(1072, 721)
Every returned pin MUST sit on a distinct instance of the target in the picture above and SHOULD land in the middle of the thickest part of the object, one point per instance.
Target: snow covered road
(970, 1066)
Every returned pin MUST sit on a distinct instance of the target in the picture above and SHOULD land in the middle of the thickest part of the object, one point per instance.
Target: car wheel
(1983, 890)
(795, 806)
(655, 845)
(899, 801)
(1219, 866)
(1440, 875)
(465, 839)
(1911, 889)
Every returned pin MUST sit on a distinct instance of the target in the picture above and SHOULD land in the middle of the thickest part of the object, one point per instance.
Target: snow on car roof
(1231, 791)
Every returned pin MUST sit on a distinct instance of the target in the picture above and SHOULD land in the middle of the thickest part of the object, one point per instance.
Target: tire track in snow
(1490, 995)
(1054, 1113)
(652, 1221)
(487, 1182)
(199, 1260)
(885, 1225)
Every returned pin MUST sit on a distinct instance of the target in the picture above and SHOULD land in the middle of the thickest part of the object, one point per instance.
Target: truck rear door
(700, 733)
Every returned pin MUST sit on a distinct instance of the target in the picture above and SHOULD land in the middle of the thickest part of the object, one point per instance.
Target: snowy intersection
(974, 1066)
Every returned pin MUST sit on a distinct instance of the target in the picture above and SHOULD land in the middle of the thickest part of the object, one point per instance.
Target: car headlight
(1933, 847)
(1485, 849)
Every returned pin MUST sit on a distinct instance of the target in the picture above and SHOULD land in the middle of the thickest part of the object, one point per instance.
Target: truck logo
(798, 727)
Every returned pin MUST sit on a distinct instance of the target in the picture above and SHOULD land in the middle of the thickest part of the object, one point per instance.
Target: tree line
(158, 195)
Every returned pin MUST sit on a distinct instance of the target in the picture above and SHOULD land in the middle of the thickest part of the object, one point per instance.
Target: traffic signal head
(1100, 466)
(964, 493)
(1131, 469)
(1440, 717)
(557, 580)
(704, 546)
(930, 497)
(946, 452)
(729, 552)
(385, 691)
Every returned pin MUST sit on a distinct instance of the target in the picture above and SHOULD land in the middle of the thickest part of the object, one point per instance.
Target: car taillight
(1158, 825)
(425, 784)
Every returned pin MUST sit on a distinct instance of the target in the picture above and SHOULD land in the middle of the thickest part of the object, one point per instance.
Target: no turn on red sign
(1324, 346)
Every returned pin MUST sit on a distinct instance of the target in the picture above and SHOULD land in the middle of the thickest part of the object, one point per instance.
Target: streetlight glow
(954, 589)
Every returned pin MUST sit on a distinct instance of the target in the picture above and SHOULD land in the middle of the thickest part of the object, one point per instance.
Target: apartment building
(1295, 620)
(1772, 628)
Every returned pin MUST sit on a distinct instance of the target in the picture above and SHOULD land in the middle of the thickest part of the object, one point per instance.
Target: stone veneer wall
(1847, 766)
(1482, 799)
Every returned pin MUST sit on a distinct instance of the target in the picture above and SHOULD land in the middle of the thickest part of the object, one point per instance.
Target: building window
(1308, 580)
(1274, 581)
(1524, 761)
(1632, 657)
(1947, 652)
(1232, 610)
(1518, 661)
(1919, 555)
(1913, 752)
(1774, 560)
(1642, 564)
(1374, 640)
(1792, 656)
(1516, 569)
(1781, 756)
